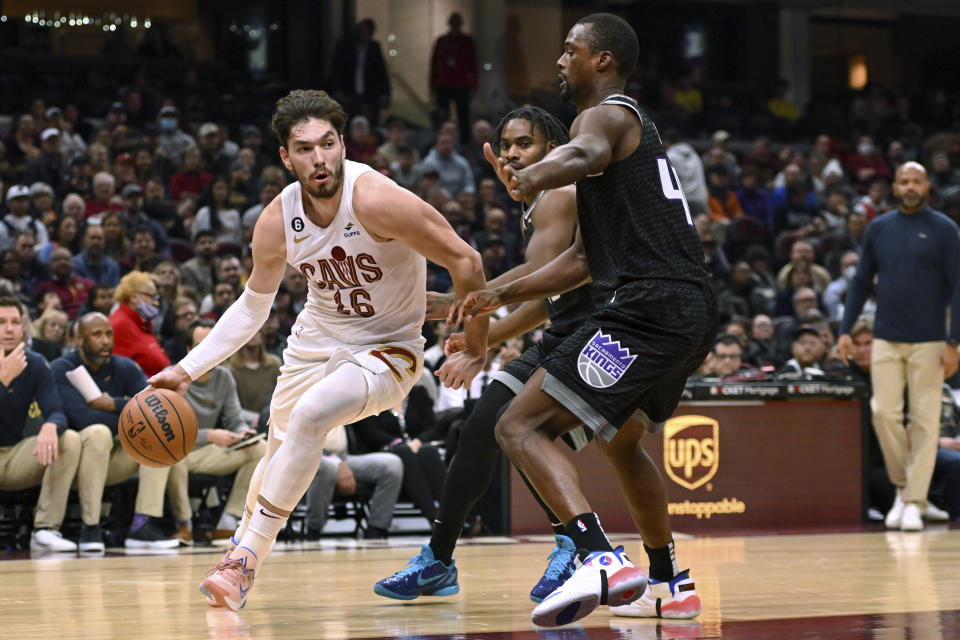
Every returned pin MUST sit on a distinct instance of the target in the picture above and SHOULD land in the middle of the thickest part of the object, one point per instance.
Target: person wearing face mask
(172, 141)
(866, 165)
(837, 290)
(132, 322)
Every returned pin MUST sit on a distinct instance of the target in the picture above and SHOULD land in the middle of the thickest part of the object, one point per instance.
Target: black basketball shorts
(633, 353)
(516, 373)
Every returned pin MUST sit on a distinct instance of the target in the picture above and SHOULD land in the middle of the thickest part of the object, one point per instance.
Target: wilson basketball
(157, 427)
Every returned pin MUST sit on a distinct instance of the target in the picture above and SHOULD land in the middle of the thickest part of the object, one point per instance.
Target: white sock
(336, 399)
(255, 544)
(242, 527)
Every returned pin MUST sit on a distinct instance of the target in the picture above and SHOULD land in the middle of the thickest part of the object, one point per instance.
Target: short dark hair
(40, 295)
(553, 130)
(756, 252)
(301, 105)
(143, 229)
(727, 339)
(199, 322)
(717, 169)
(834, 189)
(614, 34)
(204, 233)
(11, 301)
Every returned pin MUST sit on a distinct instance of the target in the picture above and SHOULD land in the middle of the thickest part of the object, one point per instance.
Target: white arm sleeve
(236, 326)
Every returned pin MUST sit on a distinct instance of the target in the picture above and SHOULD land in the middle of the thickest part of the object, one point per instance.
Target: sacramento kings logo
(602, 362)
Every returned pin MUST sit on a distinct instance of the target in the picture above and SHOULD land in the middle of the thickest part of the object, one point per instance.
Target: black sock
(663, 562)
(558, 528)
(471, 470)
(587, 534)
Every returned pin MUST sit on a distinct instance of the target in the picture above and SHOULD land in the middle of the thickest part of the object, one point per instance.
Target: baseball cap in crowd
(832, 168)
(249, 131)
(131, 190)
(207, 128)
(169, 111)
(40, 187)
(720, 135)
(49, 132)
(18, 191)
(805, 328)
(123, 158)
(115, 107)
(52, 112)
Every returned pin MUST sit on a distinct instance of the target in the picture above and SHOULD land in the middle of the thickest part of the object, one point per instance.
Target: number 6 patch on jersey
(603, 361)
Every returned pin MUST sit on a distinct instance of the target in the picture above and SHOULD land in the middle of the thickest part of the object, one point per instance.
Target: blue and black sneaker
(560, 568)
(424, 576)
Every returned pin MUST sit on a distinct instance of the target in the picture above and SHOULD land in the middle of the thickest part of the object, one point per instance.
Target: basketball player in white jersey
(355, 349)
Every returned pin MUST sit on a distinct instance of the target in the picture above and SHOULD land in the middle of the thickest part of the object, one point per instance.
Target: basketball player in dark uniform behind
(522, 138)
(653, 327)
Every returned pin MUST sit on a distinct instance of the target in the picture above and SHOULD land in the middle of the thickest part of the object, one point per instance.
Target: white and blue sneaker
(561, 566)
(675, 599)
(604, 577)
(424, 576)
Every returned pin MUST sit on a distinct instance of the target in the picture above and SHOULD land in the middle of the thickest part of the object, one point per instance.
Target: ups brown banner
(735, 466)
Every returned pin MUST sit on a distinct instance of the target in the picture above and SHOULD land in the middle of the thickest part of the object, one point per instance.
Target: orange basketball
(158, 427)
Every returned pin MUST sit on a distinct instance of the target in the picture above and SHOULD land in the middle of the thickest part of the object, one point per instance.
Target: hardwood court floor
(854, 585)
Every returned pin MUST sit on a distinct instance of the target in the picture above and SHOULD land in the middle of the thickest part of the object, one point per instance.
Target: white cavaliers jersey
(360, 291)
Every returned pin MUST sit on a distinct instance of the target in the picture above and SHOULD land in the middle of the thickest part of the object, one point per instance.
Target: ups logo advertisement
(691, 450)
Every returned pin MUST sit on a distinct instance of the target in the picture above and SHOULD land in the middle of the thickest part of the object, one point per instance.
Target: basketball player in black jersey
(654, 323)
(522, 138)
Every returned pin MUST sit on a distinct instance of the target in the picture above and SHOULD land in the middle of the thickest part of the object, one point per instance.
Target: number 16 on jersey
(671, 186)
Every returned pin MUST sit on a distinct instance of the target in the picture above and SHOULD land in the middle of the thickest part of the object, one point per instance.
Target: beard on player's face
(329, 188)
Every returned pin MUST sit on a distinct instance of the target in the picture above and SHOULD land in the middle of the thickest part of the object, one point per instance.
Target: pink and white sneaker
(604, 577)
(676, 599)
(227, 584)
(226, 556)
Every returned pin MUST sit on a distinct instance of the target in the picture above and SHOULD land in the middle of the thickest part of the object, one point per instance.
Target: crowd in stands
(141, 214)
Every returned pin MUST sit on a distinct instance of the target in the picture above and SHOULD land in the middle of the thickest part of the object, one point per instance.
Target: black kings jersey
(634, 218)
(566, 311)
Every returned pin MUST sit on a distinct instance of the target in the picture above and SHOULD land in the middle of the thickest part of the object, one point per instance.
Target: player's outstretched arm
(555, 221)
(527, 317)
(567, 271)
(390, 212)
(594, 136)
(244, 317)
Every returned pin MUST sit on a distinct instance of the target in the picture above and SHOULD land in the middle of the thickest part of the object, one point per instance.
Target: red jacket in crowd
(133, 338)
